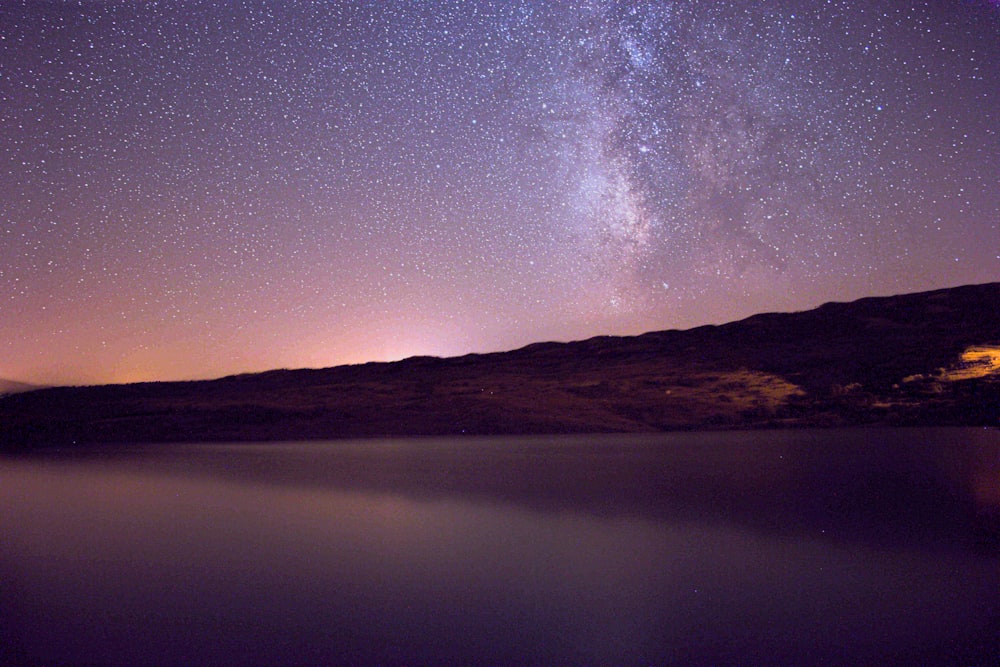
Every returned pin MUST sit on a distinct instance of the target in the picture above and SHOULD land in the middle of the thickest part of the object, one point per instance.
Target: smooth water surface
(804, 547)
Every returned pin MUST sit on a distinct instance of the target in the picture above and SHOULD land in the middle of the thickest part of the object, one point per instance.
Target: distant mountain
(12, 387)
(920, 359)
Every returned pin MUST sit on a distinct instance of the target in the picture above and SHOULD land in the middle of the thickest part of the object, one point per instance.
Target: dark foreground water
(766, 548)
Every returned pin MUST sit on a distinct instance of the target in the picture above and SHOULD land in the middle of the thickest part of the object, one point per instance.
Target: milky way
(190, 189)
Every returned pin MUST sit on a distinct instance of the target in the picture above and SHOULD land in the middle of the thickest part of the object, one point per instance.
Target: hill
(14, 387)
(931, 358)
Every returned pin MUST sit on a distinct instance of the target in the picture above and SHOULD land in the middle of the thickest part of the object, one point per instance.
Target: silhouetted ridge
(915, 359)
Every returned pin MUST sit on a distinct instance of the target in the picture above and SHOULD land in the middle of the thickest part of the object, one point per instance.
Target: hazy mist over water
(804, 547)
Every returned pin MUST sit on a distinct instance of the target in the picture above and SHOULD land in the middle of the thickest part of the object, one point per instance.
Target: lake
(772, 547)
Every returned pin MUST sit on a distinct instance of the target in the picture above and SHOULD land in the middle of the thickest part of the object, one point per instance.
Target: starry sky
(192, 189)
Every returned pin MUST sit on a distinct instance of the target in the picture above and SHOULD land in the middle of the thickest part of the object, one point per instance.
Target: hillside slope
(14, 387)
(928, 358)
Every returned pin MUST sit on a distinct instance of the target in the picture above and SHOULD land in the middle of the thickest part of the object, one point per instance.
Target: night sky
(193, 189)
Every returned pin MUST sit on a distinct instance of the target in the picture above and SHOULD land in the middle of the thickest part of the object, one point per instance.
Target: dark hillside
(917, 359)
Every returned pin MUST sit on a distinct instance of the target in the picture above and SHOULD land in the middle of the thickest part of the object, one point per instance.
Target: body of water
(795, 548)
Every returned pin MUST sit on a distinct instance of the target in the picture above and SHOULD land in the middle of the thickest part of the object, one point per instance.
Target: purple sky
(193, 189)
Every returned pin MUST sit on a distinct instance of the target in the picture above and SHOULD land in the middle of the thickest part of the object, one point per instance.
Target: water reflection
(903, 485)
(704, 548)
